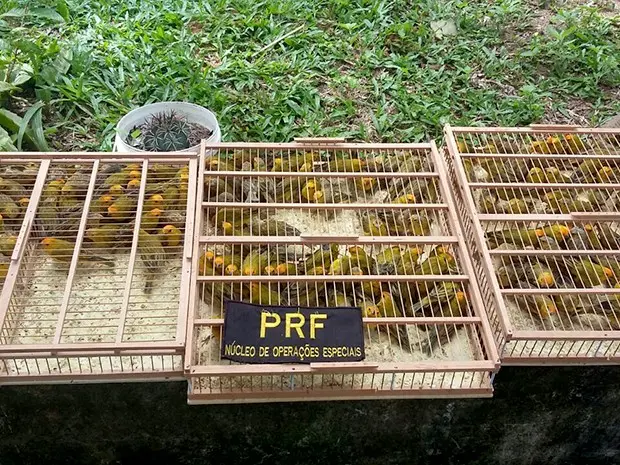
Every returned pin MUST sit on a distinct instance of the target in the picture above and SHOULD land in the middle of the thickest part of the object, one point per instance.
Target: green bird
(588, 274)
(153, 258)
(272, 227)
(262, 294)
(254, 262)
(323, 256)
(8, 208)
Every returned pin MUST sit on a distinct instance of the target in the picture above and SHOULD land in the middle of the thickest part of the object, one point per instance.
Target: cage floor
(125, 367)
(93, 316)
(379, 347)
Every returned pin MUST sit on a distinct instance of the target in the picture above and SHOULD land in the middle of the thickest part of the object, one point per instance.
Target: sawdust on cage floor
(93, 316)
(523, 321)
(378, 347)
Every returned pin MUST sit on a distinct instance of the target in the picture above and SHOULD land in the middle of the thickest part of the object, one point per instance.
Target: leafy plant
(26, 63)
(391, 70)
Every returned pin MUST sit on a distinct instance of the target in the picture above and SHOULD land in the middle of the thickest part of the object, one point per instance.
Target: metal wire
(98, 263)
(540, 208)
(336, 225)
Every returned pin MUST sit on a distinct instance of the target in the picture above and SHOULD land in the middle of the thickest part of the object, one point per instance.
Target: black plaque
(279, 334)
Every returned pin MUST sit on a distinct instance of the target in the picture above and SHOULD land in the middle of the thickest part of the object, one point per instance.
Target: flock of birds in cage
(378, 298)
(560, 271)
(111, 213)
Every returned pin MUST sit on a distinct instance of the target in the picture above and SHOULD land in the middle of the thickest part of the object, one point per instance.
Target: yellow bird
(116, 190)
(133, 185)
(407, 198)
(361, 259)
(365, 184)
(154, 201)
(7, 244)
(8, 208)
(389, 255)
(573, 144)
(254, 263)
(541, 306)
(153, 258)
(150, 220)
(123, 207)
(347, 165)
(121, 178)
(62, 251)
(263, 295)
(588, 273)
(170, 236)
(323, 256)
(107, 236)
(205, 263)
(606, 175)
(230, 263)
(338, 299)
(387, 306)
(340, 266)
(309, 189)
(4, 269)
(373, 225)
(539, 274)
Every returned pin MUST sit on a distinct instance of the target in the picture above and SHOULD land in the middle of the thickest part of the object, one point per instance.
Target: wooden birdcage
(326, 223)
(98, 252)
(540, 208)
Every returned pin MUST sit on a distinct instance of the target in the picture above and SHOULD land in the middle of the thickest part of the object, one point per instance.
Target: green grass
(364, 69)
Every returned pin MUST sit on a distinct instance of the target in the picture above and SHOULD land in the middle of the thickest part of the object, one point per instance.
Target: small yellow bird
(62, 251)
(133, 185)
(340, 266)
(541, 306)
(361, 259)
(154, 201)
(347, 165)
(221, 263)
(323, 256)
(170, 236)
(588, 274)
(254, 263)
(8, 208)
(4, 269)
(573, 144)
(309, 189)
(263, 295)
(123, 207)
(107, 236)
(116, 190)
(365, 184)
(373, 225)
(7, 244)
(205, 263)
(150, 220)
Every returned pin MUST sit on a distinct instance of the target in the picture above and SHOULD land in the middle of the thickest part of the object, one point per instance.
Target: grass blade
(30, 114)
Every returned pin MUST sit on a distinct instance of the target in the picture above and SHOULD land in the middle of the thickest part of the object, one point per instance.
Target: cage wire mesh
(95, 251)
(540, 208)
(326, 223)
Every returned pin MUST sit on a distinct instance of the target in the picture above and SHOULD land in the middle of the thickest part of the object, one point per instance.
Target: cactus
(166, 132)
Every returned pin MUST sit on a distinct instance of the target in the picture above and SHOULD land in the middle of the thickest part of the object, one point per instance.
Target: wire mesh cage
(325, 223)
(95, 251)
(540, 208)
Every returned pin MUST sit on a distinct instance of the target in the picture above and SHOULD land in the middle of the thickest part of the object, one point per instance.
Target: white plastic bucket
(136, 117)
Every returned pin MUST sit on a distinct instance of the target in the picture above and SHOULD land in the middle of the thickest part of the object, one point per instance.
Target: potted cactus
(166, 127)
